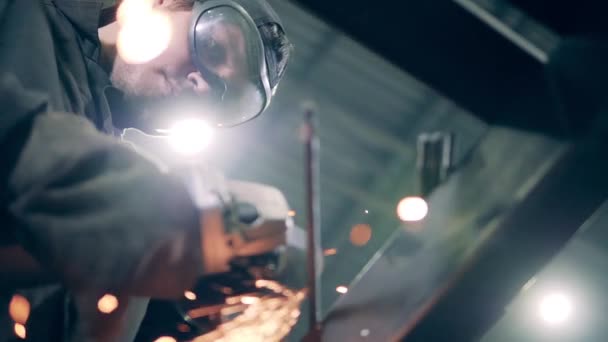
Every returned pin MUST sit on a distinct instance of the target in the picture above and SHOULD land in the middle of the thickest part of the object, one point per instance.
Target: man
(80, 208)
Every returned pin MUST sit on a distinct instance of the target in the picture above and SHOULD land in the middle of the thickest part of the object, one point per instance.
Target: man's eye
(214, 54)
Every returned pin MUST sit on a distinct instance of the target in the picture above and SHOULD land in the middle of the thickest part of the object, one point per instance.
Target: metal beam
(516, 38)
(523, 243)
(443, 45)
(462, 212)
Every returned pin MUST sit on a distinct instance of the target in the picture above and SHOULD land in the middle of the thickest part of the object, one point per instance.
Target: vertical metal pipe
(311, 147)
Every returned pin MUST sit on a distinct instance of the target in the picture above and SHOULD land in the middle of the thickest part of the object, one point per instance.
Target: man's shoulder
(82, 14)
(64, 53)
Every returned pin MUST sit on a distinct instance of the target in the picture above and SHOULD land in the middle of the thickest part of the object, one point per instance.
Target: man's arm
(89, 208)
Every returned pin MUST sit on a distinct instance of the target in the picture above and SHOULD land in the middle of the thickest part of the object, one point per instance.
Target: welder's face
(172, 75)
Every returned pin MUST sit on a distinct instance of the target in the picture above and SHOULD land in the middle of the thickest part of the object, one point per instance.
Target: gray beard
(126, 78)
(161, 111)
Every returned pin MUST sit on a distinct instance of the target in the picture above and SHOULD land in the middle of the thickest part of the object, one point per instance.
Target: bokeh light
(330, 251)
(411, 209)
(19, 309)
(360, 234)
(342, 289)
(107, 304)
(144, 32)
(20, 330)
(555, 308)
(190, 295)
(183, 328)
(190, 137)
(165, 339)
(291, 213)
(249, 300)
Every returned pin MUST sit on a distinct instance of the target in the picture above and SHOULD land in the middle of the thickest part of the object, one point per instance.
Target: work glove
(252, 233)
(243, 224)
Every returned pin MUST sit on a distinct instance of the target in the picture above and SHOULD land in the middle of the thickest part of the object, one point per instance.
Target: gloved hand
(255, 223)
(243, 224)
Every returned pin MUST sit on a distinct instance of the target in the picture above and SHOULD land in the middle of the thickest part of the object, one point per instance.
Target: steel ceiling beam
(445, 46)
(405, 275)
(528, 238)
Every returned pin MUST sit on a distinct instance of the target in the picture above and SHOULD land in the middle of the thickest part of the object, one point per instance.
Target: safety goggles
(227, 49)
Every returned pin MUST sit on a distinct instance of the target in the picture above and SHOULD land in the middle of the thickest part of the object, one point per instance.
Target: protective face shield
(227, 49)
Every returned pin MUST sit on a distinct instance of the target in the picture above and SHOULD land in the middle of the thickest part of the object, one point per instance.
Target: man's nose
(197, 82)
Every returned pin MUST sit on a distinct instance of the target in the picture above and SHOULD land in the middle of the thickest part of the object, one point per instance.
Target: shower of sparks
(269, 317)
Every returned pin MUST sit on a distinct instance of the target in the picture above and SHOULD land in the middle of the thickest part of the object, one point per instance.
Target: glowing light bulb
(342, 289)
(107, 304)
(144, 32)
(412, 209)
(190, 137)
(555, 308)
